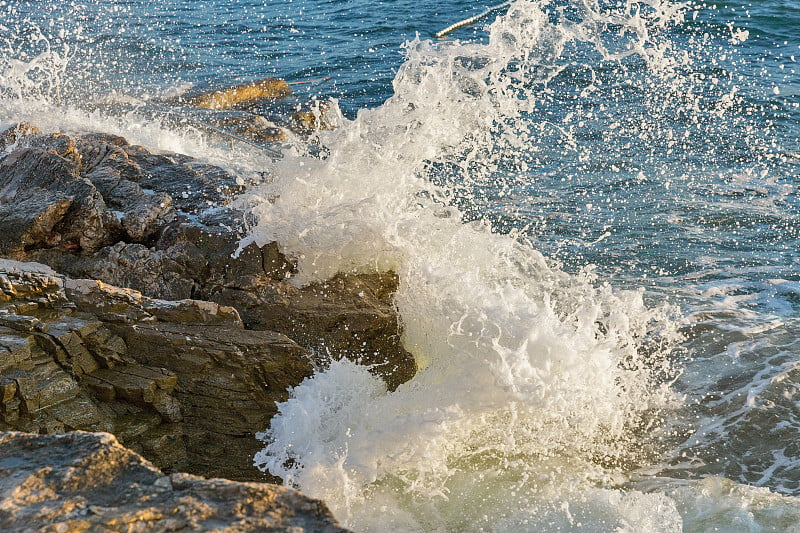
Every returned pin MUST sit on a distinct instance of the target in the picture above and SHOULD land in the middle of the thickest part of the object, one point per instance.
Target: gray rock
(80, 219)
(11, 136)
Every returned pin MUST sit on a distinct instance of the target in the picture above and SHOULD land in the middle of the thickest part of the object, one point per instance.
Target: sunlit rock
(266, 89)
(89, 482)
(181, 382)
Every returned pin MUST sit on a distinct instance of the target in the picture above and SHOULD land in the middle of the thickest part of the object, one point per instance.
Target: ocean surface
(592, 207)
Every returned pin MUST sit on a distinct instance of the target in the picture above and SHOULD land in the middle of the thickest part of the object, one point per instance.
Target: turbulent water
(592, 209)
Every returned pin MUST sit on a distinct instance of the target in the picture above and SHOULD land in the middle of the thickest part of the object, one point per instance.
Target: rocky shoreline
(124, 310)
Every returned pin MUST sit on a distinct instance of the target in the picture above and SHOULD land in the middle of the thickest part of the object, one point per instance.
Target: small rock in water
(269, 89)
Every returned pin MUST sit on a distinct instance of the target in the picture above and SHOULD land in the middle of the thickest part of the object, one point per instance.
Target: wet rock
(253, 127)
(157, 284)
(71, 211)
(10, 137)
(136, 266)
(193, 186)
(58, 144)
(266, 89)
(116, 177)
(312, 117)
(351, 315)
(89, 482)
(228, 383)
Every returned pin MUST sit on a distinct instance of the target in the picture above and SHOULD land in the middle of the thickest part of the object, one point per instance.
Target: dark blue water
(672, 170)
(147, 45)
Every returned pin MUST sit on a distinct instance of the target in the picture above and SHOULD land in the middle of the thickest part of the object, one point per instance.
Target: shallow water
(592, 210)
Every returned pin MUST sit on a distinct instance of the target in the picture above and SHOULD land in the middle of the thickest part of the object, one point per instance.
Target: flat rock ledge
(89, 482)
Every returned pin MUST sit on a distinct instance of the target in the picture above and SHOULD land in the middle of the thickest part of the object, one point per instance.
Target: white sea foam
(537, 393)
(533, 383)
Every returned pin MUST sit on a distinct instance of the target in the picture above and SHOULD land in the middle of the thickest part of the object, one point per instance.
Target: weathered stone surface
(89, 482)
(29, 283)
(193, 186)
(167, 377)
(115, 304)
(78, 220)
(351, 315)
(30, 218)
(228, 383)
(11, 136)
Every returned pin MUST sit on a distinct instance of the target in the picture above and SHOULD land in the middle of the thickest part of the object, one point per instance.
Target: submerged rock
(89, 482)
(266, 89)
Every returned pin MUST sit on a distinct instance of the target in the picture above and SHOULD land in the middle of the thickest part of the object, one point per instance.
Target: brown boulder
(89, 482)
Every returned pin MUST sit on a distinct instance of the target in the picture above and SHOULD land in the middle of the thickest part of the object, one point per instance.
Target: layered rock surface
(127, 307)
(161, 224)
(89, 482)
(181, 382)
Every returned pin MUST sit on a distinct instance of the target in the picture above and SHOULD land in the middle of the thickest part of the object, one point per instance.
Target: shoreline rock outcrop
(181, 382)
(163, 225)
(124, 309)
(89, 482)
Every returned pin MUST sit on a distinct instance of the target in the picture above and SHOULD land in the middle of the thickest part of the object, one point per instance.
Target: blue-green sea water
(592, 208)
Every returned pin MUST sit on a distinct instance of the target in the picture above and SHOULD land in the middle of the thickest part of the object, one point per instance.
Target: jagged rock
(349, 315)
(79, 218)
(11, 136)
(167, 377)
(30, 219)
(120, 305)
(29, 283)
(193, 186)
(89, 482)
(228, 384)
(58, 144)
(132, 265)
(253, 127)
(117, 178)
(171, 292)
